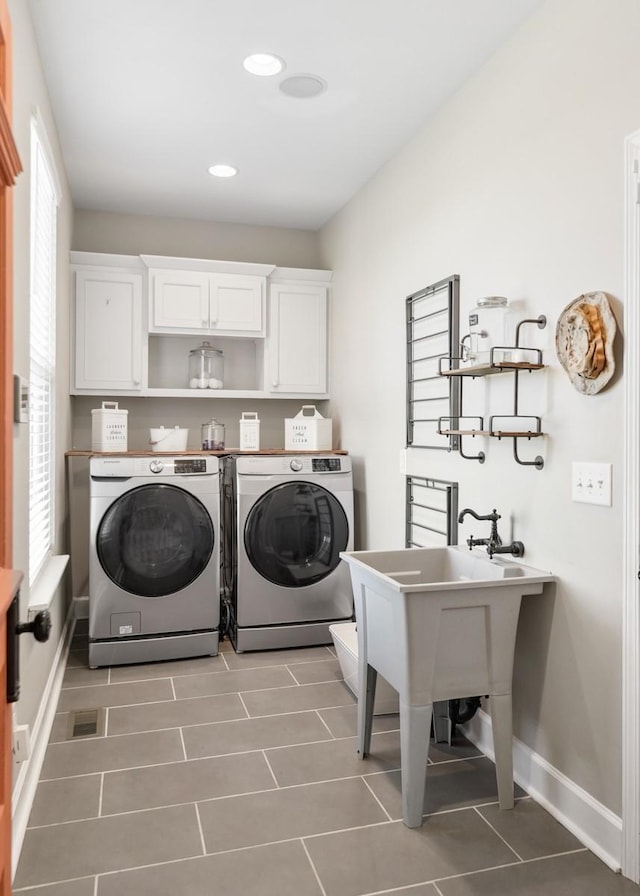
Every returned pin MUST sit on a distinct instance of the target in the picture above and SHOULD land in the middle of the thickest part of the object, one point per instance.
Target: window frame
(45, 202)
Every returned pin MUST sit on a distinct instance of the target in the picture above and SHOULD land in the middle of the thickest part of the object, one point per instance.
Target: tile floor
(237, 774)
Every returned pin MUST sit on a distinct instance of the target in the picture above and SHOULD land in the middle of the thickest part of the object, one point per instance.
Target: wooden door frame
(10, 167)
(631, 521)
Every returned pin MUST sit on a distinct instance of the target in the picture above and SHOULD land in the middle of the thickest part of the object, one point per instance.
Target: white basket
(109, 428)
(307, 431)
(162, 439)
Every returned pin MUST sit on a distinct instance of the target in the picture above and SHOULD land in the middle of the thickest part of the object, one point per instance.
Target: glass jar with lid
(489, 324)
(213, 436)
(206, 367)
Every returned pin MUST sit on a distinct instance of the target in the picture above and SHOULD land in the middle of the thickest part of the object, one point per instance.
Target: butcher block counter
(76, 452)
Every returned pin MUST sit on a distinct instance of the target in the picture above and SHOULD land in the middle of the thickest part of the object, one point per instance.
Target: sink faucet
(493, 543)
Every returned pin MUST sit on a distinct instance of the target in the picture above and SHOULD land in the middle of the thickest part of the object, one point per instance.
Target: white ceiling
(147, 94)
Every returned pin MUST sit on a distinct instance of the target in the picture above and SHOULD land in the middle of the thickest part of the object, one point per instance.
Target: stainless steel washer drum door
(294, 534)
(155, 540)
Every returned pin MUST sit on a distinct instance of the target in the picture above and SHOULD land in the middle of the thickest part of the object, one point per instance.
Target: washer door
(155, 540)
(294, 534)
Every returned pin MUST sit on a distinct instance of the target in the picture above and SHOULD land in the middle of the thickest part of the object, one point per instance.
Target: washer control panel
(326, 464)
(190, 465)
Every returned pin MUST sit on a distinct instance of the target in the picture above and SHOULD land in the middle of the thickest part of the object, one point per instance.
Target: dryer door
(155, 540)
(294, 534)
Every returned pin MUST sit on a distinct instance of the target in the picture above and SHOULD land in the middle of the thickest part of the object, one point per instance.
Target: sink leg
(415, 725)
(502, 724)
(366, 695)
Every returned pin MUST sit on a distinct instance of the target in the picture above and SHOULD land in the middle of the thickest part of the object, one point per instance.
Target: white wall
(29, 92)
(517, 186)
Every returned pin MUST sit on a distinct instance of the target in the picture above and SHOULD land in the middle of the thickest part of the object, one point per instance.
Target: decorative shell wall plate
(584, 342)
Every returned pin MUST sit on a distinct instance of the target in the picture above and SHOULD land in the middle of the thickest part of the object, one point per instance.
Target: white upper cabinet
(218, 302)
(179, 300)
(137, 318)
(296, 346)
(108, 330)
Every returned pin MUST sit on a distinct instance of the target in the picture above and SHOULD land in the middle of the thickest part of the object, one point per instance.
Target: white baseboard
(599, 829)
(24, 788)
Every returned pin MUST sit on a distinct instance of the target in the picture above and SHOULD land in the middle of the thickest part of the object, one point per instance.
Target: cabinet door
(236, 304)
(179, 300)
(108, 330)
(297, 343)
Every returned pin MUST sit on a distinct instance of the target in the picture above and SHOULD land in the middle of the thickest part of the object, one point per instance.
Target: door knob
(40, 626)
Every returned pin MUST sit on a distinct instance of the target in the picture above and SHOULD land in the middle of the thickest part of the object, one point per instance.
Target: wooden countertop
(77, 452)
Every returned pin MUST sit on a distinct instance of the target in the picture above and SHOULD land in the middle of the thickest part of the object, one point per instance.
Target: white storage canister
(109, 427)
(249, 432)
(488, 325)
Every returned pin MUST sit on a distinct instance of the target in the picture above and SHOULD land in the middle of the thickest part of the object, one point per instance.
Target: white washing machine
(291, 518)
(154, 560)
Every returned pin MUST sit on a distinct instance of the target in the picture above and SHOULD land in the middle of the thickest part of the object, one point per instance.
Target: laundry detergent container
(345, 639)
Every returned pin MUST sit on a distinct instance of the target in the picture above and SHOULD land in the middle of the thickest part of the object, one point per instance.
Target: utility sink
(438, 623)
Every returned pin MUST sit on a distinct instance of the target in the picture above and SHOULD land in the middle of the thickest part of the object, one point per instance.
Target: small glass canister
(206, 367)
(213, 436)
(488, 328)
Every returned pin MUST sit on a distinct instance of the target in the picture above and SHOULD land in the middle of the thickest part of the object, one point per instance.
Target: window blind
(44, 202)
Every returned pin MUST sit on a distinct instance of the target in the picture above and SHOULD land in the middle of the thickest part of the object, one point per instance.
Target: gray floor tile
(295, 699)
(253, 734)
(380, 857)
(342, 720)
(185, 782)
(309, 673)
(174, 714)
(78, 658)
(530, 830)
(175, 668)
(449, 785)
(232, 682)
(260, 818)
(281, 869)
(460, 748)
(333, 759)
(68, 799)
(80, 848)
(261, 658)
(82, 676)
(115, 694)
(419, 890)
(60, 728)
(84, 887)
(578, 874)
(65, 760)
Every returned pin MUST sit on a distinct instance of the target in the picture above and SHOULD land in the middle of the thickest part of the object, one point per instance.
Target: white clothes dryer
(292, 516)
(154, 560)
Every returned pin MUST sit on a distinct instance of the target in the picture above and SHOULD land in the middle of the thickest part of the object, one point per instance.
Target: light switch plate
(591, 483)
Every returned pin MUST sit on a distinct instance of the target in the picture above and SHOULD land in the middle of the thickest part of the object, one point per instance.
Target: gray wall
(141, 234)
(517, 186)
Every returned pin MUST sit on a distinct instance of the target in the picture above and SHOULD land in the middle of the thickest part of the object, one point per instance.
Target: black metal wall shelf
(499, 363)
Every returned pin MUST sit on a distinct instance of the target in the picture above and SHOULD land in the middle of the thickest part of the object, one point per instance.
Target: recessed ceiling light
(223, 171)
(303, 86)
(263, 64)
